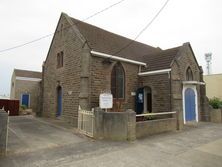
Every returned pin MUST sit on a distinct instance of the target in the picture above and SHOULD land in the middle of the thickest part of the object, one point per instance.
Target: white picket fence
(85, 122)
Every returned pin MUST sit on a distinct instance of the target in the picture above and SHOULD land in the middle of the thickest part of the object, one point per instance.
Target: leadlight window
(189, 74)
(118, 82)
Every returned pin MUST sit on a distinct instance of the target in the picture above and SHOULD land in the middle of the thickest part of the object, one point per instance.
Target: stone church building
(84, 60)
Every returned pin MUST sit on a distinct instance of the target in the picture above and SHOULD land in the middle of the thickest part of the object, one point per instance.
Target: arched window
(118, 82)
(189, 74)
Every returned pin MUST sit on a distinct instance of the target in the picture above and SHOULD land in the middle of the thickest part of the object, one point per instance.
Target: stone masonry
(160, 86)
(84, 76)
(33, 88)
(184, 59)
(101, 80)
(69, 77)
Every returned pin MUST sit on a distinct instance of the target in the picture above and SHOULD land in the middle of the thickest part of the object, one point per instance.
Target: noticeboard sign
(106, 100)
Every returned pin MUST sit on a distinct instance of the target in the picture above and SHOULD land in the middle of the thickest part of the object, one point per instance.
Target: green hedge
(215, 103)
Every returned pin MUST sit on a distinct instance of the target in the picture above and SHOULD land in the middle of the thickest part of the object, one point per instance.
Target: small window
(189, 74)
(118, 82)
(61, 30)
(60, 59)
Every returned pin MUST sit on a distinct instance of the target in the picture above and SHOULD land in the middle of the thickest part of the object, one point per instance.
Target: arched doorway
(144, 100)
(147, 99)
(190, 106)
(59, 101)
(190, 97)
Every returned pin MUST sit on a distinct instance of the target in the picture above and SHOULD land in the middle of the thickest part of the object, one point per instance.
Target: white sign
(106, 100)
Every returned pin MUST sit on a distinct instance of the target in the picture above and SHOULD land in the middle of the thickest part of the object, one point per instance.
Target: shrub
(23, 107)
(215, 103)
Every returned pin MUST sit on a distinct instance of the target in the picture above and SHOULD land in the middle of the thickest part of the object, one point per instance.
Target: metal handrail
(159, 113)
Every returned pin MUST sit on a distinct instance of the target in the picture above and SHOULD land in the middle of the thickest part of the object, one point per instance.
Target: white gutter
(104, 55)
(28, 79)
(193, 83)
(154, 72)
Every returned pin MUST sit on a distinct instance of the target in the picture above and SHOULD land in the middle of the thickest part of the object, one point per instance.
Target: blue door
(59, 101)
(25, 100)
(190, 106)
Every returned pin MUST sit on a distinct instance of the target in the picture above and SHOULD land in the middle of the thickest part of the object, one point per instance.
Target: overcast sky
(196, 21)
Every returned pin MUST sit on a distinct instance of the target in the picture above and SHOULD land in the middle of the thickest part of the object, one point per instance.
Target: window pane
(117, 81)
(113, 82)
(120, 87)
(189, 74)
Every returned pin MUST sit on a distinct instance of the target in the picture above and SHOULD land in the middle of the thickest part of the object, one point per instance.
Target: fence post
(131, 125)
(3, 132)
(178, 120)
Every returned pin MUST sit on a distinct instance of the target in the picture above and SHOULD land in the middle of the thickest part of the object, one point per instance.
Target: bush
(23, 107)
(215, 103)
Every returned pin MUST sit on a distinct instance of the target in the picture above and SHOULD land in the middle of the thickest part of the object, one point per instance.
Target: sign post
(106, 101)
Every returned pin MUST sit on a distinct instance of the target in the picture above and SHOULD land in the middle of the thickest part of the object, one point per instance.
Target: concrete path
(33, 142)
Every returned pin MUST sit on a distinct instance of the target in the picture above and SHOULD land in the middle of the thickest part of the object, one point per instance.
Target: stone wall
(215, 115)
(33, 89)
(72, 77)
(123, 125)
(185, 58)
(160, 87)
(83, 76)
(118, 126)
(146, 128)
(101, 80)
(3, 132)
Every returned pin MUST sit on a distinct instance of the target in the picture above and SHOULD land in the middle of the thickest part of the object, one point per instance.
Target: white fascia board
(104, 55)
(28, 79)
(193, 83)
(154, 72)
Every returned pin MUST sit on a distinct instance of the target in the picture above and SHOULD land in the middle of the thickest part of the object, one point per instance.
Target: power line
(27, 43)
(144, 29)
(48, 35)
(103, 10)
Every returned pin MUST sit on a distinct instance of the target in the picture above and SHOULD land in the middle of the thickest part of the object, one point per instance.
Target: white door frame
(196, 101)
(145, 99)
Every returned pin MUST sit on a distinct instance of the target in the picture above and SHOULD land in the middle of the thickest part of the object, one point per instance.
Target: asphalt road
(37, 143)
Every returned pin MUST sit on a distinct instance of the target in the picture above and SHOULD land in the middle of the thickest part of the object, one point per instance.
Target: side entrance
(59, 101)
(143, 100)
(190, 110)
(25, 99)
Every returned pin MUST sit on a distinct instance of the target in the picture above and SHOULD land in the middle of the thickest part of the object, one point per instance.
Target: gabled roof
(107, 42)
(26, 73)
(161, 59)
